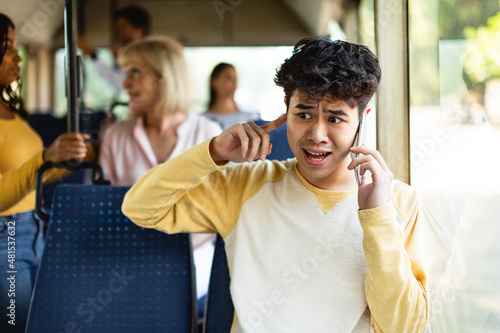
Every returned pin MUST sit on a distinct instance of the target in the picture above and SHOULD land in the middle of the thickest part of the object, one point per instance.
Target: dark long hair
(215, 73)
(8, 95)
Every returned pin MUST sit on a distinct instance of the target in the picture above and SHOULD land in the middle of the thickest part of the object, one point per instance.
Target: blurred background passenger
(160, 127)
(21, 154)
(130, 24)
(222, 107)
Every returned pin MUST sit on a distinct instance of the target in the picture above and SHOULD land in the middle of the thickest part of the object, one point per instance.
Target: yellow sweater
(301, 259)
(20, 156)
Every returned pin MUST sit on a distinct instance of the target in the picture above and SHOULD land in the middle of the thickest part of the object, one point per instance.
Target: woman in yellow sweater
(21, 154)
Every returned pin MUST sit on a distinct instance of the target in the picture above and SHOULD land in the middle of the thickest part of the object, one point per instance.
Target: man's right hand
(244, 142)
(85, 45)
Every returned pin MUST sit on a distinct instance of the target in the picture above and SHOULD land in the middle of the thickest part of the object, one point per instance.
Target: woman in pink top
(160, 126)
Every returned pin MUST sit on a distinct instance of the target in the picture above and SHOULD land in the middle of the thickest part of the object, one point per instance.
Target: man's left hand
(376, 193)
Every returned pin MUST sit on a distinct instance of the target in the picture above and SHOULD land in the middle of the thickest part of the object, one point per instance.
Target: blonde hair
(165, 57)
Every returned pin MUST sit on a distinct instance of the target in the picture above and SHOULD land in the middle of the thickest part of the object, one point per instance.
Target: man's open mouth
(316, 156)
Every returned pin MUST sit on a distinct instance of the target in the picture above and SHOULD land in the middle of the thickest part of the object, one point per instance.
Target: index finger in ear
(264, 140)
(272, 125)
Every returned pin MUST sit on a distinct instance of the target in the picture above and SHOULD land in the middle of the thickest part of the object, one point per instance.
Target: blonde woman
(160, 126)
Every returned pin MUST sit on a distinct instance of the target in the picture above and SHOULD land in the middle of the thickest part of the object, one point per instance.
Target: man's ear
(286, 103)
(142, 32)
(366, 111)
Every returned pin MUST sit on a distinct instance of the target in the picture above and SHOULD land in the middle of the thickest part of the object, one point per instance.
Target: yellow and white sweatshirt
(301, 259)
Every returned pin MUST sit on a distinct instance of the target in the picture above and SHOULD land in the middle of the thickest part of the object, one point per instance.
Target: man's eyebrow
(302, 106)
(338, 113)
(305, 107)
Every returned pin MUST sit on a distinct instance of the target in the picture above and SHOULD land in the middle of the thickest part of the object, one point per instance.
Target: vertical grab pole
(72, 65)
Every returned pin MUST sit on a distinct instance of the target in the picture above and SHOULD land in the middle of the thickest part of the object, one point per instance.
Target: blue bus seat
(281, 149)
(102, 273)
(219, 310)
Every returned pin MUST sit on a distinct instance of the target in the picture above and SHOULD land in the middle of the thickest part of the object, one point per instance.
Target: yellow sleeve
(15, 185)
(395, 279)
(190, 193)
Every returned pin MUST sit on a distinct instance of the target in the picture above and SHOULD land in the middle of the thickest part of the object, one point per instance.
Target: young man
(308, 250)
(130, 23)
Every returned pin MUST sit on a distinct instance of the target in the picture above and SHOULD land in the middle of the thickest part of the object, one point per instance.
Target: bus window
(98, 94)
(455, 132)
(256, 67)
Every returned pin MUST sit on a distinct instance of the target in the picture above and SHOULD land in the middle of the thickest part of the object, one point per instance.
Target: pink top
(126, 153)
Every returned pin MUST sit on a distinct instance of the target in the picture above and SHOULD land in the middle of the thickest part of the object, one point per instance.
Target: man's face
(125, 32)
(320, 134)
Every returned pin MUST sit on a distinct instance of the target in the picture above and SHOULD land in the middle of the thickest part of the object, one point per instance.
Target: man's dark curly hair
(320, 66)
(136, 15)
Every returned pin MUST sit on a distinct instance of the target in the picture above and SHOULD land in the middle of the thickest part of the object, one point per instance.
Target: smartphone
(358, 141)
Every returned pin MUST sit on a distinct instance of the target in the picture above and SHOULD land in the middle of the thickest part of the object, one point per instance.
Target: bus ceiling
(192, 22)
